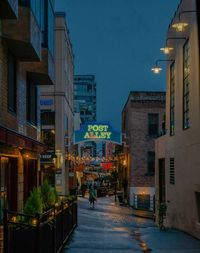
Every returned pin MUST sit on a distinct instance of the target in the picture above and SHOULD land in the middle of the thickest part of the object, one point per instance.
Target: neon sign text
(97, 132)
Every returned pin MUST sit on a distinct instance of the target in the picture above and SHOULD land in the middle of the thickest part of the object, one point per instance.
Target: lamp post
(156, 69)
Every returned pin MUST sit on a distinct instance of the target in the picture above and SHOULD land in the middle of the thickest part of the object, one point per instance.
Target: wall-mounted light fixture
(180, 25)
(167, 49)
(156, 69)
(25, 154)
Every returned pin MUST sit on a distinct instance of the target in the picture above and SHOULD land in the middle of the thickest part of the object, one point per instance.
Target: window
(171, 169)
(151, 163)
(51, 24)
(186, 86)
(48, 138)
(153, 124)
(47, 25)
(36, 9)
(35, 6)
(172, 98)
(47, 118)
(12, 84)
(31, 98)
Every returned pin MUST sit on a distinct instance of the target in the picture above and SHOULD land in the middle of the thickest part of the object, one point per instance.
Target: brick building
(26, 60)
(142, 119)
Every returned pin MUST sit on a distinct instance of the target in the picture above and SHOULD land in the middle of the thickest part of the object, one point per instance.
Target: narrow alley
(112, 228)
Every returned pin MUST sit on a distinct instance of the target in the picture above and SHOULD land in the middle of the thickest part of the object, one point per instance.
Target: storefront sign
(46, 157)
(46, 102)
(97, 131)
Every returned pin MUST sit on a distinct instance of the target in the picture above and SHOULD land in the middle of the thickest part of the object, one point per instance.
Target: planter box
(46, 233)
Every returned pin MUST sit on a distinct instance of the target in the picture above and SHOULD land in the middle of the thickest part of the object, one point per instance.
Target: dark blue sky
(118, 41)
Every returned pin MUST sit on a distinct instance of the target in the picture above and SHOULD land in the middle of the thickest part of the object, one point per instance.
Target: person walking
(92, 196)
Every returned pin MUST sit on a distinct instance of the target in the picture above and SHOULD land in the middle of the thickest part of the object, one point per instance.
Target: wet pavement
(112, 228)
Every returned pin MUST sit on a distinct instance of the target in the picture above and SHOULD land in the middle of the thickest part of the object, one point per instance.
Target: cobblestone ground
(112, 228)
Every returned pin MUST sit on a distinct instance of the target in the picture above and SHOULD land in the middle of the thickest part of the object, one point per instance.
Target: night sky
(118, 41)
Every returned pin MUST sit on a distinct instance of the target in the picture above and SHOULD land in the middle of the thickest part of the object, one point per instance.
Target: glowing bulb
(34, 222)
(180, 27)
(156, 70)
(166, 50)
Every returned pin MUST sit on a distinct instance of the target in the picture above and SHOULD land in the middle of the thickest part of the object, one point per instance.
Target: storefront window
(48, 138)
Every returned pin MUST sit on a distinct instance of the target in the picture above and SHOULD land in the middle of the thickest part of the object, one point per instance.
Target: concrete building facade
(178, 161)
(57, 112)
(142, 119)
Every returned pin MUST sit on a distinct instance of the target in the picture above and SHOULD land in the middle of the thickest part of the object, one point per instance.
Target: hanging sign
(97, 131)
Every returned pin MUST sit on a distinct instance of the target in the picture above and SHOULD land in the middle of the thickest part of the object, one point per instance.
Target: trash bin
(120, 196)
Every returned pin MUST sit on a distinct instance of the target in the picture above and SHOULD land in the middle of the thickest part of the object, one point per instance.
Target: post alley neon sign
(97, 131)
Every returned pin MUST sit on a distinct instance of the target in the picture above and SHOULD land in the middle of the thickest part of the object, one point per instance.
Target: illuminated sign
(106, 165)
(97, 131)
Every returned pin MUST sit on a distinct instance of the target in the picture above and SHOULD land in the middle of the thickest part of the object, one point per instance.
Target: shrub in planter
(48, 194)
(34, 204)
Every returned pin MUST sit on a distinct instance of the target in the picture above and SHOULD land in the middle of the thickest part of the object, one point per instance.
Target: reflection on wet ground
(107, 228)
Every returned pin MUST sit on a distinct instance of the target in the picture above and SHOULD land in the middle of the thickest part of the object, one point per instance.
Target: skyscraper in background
(85, 104)
(85, 97)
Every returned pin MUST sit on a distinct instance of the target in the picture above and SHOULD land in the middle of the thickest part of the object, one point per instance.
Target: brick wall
(135, 117)
(7, 119)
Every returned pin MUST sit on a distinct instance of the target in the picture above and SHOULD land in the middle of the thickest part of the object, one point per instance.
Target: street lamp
(156, 69)
(180, 26)
(167, 49)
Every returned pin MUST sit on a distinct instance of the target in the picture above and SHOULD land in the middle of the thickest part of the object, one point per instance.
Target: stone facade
(135, 127)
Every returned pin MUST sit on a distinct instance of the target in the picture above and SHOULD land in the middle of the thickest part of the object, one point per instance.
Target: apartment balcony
(42, 72)
(8, 9)
(23, 35)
